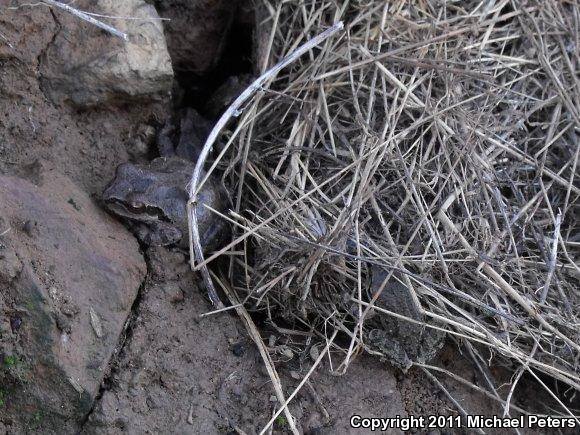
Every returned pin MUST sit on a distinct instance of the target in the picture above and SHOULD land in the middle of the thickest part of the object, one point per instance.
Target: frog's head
(142, 194)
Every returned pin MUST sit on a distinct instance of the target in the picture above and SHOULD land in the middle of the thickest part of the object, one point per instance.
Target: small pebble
(15, 323)
(238, 349)
(29, 228)
(173, 293)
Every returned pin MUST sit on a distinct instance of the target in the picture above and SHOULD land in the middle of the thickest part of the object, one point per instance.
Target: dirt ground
(173, 371)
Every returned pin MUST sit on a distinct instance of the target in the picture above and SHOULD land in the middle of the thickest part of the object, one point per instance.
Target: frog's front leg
(159, 234)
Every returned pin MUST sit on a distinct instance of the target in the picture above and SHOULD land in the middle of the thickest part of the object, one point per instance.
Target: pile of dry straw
(437, 141)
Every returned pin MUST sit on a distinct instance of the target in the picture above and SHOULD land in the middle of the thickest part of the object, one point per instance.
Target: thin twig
(88, 18)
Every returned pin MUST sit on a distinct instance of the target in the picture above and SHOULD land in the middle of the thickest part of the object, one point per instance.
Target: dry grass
(438, 142)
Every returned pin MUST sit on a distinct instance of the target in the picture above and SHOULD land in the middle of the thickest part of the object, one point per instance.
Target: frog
(401, 342)
(154, 196)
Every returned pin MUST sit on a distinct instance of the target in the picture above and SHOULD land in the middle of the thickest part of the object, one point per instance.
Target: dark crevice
(42, 54)
(126, 335)
(236, 60)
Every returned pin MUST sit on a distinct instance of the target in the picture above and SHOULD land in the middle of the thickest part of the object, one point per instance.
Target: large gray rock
(69, 275)
(86, 66)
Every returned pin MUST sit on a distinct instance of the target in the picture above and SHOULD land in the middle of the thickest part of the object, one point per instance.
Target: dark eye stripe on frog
(138, 208)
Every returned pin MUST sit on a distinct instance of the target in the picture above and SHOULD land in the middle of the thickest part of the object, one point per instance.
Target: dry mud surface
(163, 369)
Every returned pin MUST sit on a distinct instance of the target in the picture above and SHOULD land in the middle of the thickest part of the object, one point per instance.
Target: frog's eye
(137, 205)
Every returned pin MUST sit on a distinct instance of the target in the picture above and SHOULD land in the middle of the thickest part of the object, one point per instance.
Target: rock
(142, 141)
(197, 31)
(238, 349)
(81, 269)
(10, 265)
(165, 264)
(172, 293)
(87, 66)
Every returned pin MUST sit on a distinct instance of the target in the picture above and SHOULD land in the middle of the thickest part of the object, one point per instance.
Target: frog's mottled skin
(156, 196)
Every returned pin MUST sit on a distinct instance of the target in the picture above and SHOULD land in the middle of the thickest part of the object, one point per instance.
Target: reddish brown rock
(69, 276)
